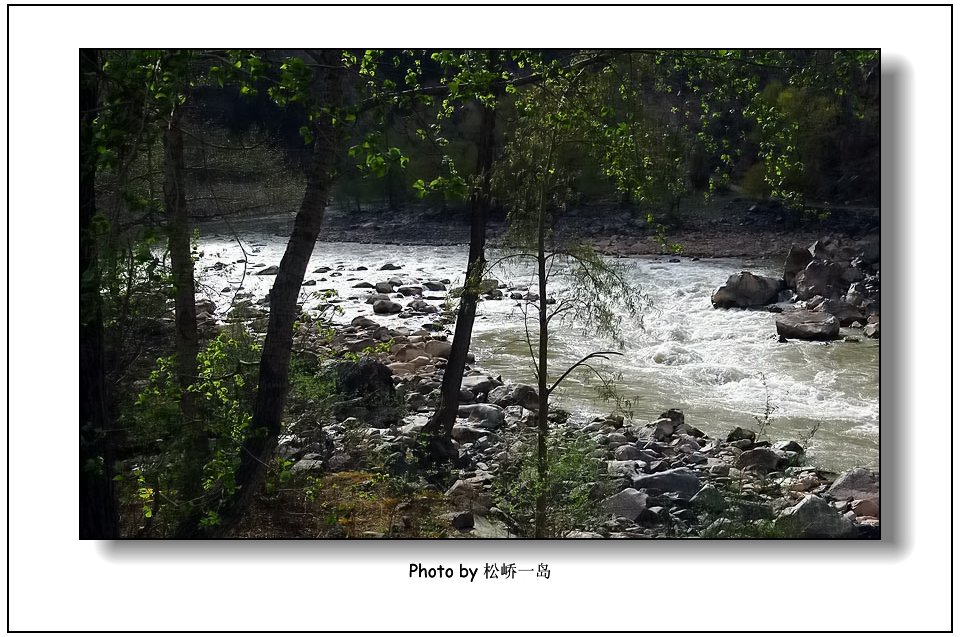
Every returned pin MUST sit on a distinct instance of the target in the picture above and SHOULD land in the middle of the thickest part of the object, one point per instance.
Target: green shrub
(574, 484)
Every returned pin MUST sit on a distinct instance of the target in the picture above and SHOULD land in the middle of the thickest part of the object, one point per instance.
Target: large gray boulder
(820, 278)
(760, 459)
(797, 259)
(809, 326)
(845, 313)
(515, 394)
(814, 518)
(437, 349)
(629, 504)
(681, 481)
(856, 484)
(386, 307)
(479, 384)
(482, 415)
(746, 290)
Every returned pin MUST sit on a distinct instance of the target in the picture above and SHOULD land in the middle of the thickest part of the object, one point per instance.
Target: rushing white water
(721, 367)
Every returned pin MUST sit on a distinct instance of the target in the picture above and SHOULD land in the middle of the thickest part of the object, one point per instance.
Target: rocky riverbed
(665, 477)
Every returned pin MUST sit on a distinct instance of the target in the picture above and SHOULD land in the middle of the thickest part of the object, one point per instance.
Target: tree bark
(446, 415)
(258, 448)
(98, 511)
(192, 429)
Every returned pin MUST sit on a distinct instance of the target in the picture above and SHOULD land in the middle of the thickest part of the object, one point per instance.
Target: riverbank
(660, 479)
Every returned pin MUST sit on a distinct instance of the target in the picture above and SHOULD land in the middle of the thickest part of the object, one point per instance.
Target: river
(721, 367)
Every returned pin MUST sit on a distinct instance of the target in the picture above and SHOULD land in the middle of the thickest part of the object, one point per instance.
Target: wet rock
(740, 433)
(844, 312)
(810, 326)
(268, 271)
(363, 321)
(365, 284)
(682, 481)
(746, 290)
(373, 298)
(629, 504)
(790, 445)
(820, 278)
(410, 290)
(812, 518)
(386, 307)
(389, 266)
(515, 394)
(383, 288)
(422, 306)
(488, 285)
(797, 260)
(872, 330)
(761, 459)
(479, 384)
(434, 286)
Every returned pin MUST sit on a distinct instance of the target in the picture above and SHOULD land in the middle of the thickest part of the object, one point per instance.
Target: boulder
(479, 384)
(363, 321)
(740, 433)
(410, 290)
(746, 290)
(845, 313)
(806, 325)
(373, 298)
(708, 499)
(419, 305)
(365, 284)
(515, 394)
(462, 521)
(483, 414)
(389, 266)
(268, 271)
(820, 278)
(466, 433)
(630, 469)
(797, 260)
(814, 518)
(407, 353)
(488, 285)
(437, 349)
(872, 330)
(856, 484)
(384, 288)
(386, 307)
(434, 286)
(682, 481)
(629, 504)
(628, 452)
(760, 459)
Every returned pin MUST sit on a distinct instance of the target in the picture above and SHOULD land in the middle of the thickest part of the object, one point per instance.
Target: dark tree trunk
(258, 448)
(540, 523)
(444, 419)
(185, 308)
(98, 511)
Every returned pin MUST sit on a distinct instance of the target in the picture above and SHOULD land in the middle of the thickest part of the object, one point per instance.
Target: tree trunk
(540, 523)
(192, 428)
(98, 512)
(257, 450)
(446, 414)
